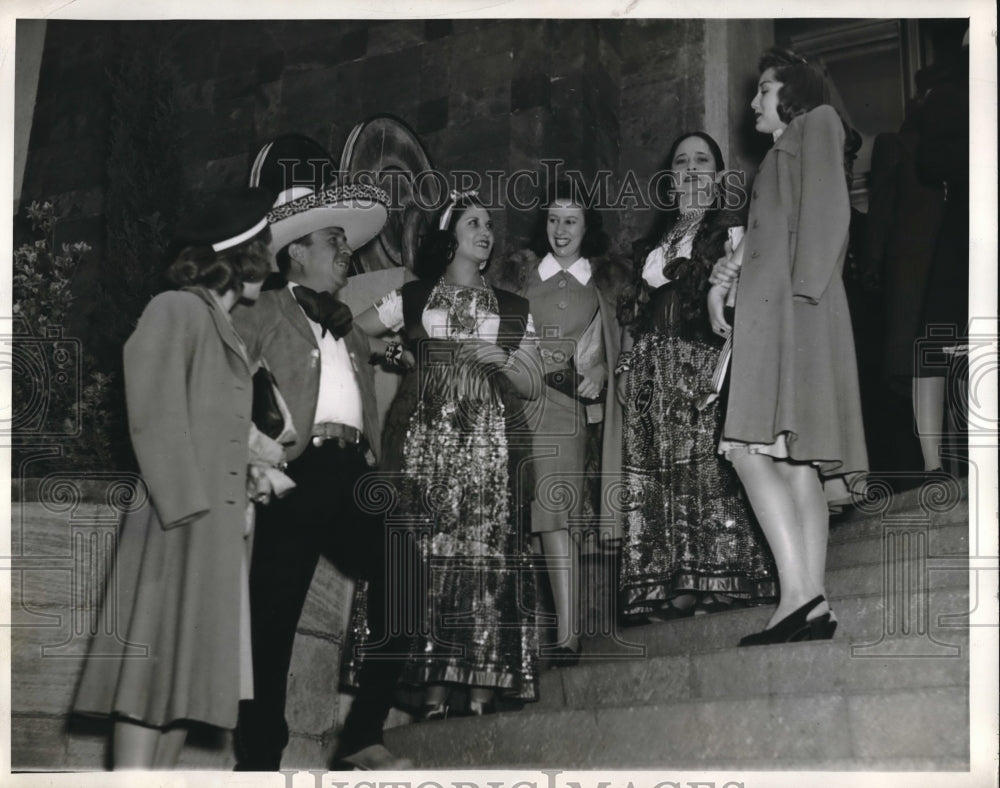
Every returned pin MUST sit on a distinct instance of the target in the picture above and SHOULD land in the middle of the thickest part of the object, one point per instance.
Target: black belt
(344, 434)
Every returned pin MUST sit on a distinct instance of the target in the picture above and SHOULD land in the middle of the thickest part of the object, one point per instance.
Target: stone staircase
(890, 692)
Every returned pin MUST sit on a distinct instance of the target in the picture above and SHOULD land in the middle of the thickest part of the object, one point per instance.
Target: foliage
(41, 278)
(52, 403)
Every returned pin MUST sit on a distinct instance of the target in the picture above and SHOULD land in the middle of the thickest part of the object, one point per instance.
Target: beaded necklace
(687, 224)
(464, 304)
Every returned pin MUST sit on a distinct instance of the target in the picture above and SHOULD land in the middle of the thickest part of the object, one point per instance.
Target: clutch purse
(567, 381)
(266, 412)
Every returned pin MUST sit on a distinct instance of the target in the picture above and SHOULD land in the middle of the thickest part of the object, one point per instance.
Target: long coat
(794, 368)
(276, 329)
(176, 590)
(610, 275)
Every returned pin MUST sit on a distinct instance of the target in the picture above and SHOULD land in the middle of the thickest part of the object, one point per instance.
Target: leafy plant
(52, 404)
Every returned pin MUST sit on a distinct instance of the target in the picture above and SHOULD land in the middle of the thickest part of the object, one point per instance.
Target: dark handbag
(567, 381)
(266, 412)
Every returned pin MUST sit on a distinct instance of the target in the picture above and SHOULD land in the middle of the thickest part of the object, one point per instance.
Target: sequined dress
(690, 528)
(452, 450)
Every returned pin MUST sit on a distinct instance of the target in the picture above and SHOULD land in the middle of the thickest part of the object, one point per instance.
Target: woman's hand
(259, 487)
(716, 310)
(621, 387)
(590, 387)
(726, 269)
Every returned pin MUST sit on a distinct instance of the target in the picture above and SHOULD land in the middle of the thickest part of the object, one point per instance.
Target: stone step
(942, 502)
(854, 729)
(859, 525)
(930, 622)
(942, 542)
(793, 669)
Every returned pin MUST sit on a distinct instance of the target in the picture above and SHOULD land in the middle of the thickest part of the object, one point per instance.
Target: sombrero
(300, 172)
(360, 210)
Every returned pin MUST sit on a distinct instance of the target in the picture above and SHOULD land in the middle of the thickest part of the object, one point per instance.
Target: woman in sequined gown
(690, 542)
(456, 455)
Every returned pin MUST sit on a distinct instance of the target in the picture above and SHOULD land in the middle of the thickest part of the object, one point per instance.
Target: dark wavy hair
(805, 87)
(200, 266)
(595, 240)
(668, 217)
(437, 249)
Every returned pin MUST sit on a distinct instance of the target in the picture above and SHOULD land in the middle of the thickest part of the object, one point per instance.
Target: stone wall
(481, 94)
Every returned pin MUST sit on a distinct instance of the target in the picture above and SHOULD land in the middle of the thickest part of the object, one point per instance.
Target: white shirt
(652, 269)
(549, 267)
(339, 397)
(437, 323)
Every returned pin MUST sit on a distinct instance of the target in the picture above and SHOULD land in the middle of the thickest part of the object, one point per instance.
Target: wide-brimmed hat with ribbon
(301, 173)
(223, 220)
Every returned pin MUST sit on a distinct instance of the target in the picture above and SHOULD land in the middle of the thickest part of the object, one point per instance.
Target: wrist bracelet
(624, 363)
(393, 353)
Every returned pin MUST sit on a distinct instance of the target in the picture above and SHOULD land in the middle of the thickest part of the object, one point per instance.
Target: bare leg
(435, 695)
(133, 745)
(561, 550)
(479, 699)
(813, 517)
(168, 748)
(928, 412)
(775, 506)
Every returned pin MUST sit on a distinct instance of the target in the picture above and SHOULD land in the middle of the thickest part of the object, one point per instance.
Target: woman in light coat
(572, 285)
(177, 649)
(794, 413)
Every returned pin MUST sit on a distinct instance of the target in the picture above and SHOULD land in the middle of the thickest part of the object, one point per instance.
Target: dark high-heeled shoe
(822, 627)
(793, 628)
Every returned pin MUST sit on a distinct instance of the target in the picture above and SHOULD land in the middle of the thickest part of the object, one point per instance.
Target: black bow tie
(322, 308)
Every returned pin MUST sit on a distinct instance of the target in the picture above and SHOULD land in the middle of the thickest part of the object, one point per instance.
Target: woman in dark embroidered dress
(690, 543)
(452, 440)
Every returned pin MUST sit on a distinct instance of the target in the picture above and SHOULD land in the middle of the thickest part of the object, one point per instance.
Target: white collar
(549, 267)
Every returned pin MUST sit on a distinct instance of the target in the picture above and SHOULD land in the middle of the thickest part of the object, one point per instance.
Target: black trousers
(319, 516)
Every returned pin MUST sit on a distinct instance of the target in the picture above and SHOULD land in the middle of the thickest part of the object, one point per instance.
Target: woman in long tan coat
(571, 285)
(177, 603)
(794, 412)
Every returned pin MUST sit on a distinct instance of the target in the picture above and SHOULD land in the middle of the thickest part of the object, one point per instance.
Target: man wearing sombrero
(321, 367)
